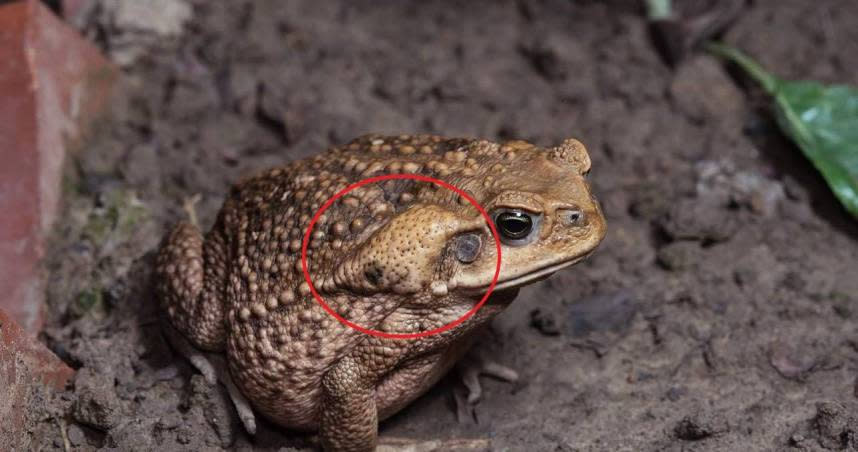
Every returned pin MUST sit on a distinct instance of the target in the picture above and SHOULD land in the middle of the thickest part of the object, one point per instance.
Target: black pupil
(514, 225)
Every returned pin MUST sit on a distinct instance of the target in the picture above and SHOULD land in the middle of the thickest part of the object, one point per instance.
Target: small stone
(678, 256)
(675, 393)
(545, 322)
(700, 426)
(170, 420)
(146, 20)
(791, 362)
(97, 405)
(76, 435)
(699, 219)
(166, 373)
(837, 425)
(796, 440)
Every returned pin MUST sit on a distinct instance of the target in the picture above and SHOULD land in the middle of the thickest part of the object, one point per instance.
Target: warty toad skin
(400, 256)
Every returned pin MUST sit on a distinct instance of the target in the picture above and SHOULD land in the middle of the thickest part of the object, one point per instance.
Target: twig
(64, 434)
(190, 208)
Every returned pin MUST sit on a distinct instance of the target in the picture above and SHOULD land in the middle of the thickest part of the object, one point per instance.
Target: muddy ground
(719, 314)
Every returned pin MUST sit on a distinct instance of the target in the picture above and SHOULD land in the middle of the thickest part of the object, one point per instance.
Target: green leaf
(821, 119)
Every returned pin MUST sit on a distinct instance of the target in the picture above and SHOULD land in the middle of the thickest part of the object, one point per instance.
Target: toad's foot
(470, 370)
(213, 368)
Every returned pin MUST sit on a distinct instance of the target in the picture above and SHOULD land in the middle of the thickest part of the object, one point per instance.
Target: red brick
(53, 84)
(24, 363)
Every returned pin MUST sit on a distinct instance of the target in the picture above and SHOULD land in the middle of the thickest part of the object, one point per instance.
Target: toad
(398, 256)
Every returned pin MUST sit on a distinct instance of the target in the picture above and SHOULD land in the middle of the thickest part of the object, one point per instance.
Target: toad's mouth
(527, 278)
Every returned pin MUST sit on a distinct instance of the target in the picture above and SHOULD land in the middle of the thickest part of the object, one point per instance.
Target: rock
(761, 195)
(161, 17)
(25, 366)
(764, 198)
(674, 394)
(97, 405)
(797, 440)
(54, 85)
(721, 180)
(837, 425)
(131, 28)
(76, 435)
(791, 362)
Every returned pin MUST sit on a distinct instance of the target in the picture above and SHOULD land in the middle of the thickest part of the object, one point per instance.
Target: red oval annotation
(384, 334)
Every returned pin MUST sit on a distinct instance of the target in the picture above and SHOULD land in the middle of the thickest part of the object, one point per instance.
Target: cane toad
(399, 256)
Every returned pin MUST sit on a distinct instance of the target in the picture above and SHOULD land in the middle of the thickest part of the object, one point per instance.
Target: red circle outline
(305, 243)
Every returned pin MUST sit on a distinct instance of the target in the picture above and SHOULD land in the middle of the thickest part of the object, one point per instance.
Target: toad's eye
(516, 227)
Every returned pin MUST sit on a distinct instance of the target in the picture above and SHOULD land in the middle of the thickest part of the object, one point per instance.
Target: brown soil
(719, 314)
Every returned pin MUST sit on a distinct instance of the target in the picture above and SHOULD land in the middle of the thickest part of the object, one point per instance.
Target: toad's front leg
(349, 418)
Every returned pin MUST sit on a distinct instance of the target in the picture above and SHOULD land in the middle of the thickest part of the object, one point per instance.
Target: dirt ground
(719, 314)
